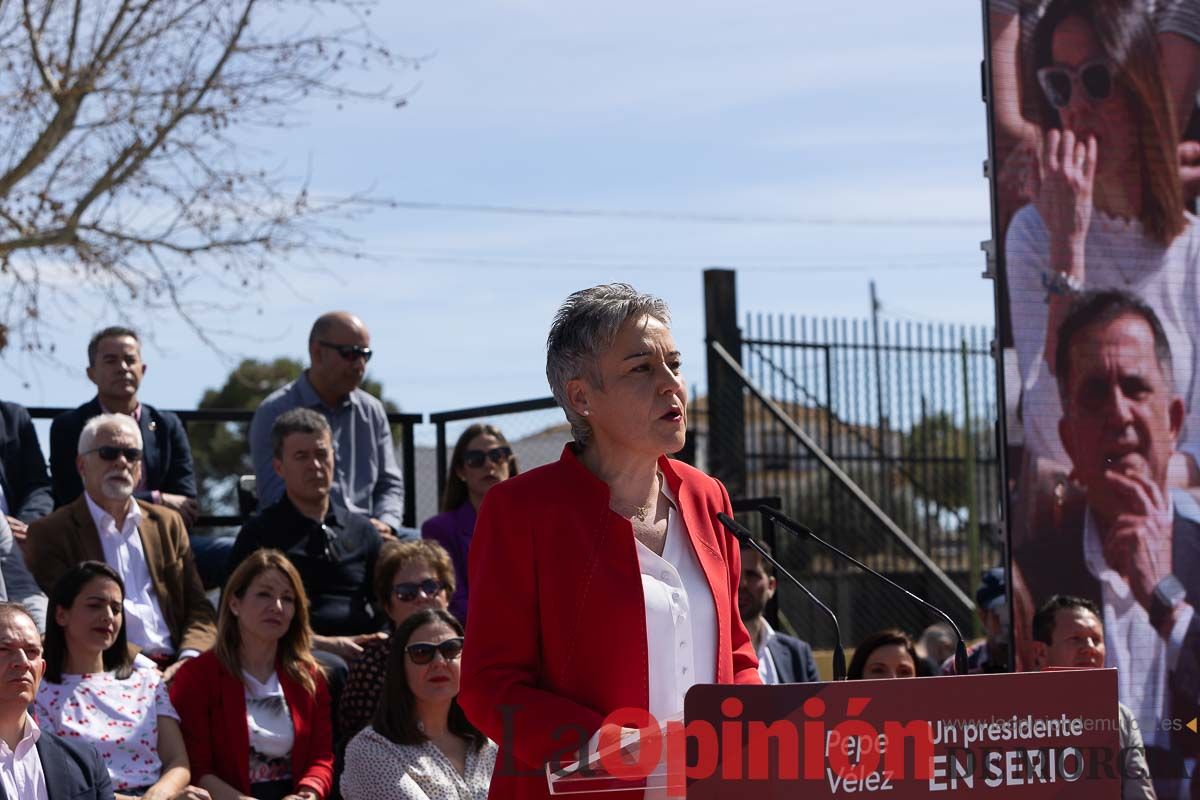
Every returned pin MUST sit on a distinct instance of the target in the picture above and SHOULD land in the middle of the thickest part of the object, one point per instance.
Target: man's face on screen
(1120, 411)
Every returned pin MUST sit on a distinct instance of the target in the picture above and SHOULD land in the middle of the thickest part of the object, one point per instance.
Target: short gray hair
(297, 420)
(585, 326)
(91, 429)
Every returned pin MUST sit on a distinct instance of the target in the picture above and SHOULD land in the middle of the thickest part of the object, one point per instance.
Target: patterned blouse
(119, 718)
(379, 769)
(364, 686)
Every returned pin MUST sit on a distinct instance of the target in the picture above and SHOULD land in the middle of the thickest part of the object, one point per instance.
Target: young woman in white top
(420, 745)
(95, 691)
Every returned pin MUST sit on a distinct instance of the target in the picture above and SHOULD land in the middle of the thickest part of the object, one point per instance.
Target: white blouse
(379, 769)
(271, 732)
(119, 718)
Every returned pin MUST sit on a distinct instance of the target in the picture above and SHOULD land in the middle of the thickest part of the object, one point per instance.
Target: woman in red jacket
(255, 709)
(603, 581)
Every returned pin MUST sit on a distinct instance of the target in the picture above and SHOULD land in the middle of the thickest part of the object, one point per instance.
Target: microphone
(743, 535)
(803, 531)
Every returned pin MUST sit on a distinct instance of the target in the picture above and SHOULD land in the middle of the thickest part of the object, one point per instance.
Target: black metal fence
(814, 410)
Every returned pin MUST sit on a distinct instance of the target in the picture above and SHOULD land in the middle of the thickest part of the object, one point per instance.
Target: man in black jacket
(781, 658)
(25, 493)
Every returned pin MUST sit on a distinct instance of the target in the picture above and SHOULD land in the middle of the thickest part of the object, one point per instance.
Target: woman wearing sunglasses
(95, 691)
(420, 745)
(1109, 211)
(255, 709)
(602, 582)
(481, 459)
(410, 576)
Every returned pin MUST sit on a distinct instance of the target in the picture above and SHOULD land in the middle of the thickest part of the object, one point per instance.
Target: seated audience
(16, 583)
(168, 478)
(25, 493)
(38, 763)
(481, 459)
(166, 612)
(366, 478)
(781, 658)
(991, 603)
(94, 692)
(1067, 632)
(255, 709)
(409, 577)
(420, 745)
(884, 654)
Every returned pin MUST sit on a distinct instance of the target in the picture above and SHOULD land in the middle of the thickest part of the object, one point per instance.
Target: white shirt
(21, 770)
(1119, 256)
(681, 618)
(145, 624)
(272, 733)
(1132, 645)
(767, 670)
(379, 769)
(3, 503)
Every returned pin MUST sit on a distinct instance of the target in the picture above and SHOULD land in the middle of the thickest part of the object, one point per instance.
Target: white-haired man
(166, 612)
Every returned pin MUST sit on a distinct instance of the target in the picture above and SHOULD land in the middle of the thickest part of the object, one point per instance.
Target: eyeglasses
(497, 455)
(1095, 77)
(108, 453)
(422, 652)
(324, 547)
(350, 352)
(407, 592)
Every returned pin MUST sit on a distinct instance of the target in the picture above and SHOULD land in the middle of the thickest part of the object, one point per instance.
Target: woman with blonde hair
(481, 459)
(255, 709)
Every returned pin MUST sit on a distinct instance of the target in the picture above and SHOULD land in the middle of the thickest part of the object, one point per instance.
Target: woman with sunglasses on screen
(409, 577)
(481, 459)
(255, 709)
(95, 690)
(420, 745)
(1109, 211)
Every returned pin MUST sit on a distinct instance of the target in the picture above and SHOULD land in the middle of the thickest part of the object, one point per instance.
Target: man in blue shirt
(366, 478)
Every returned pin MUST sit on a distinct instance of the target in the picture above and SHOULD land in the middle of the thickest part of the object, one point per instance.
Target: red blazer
(556, 616)
(212, 712)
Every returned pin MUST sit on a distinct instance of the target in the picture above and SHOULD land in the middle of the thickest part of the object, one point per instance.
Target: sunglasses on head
(350, 352)
(109, 453)
(323, 546)
(407, 592)
(422, 652)
(1057, 82)
(497, 455)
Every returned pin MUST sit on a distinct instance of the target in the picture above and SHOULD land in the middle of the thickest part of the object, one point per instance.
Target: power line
(645, 215)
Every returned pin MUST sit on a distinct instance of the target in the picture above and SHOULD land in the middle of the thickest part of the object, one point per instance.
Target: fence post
(973, 546)
(726, 409)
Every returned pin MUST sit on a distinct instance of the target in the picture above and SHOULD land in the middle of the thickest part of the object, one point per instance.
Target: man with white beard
(167, 615)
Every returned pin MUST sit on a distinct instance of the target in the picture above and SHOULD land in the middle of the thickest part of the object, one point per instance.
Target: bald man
(366, 478)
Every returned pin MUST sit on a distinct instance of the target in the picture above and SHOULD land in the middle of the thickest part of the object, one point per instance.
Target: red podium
(1025, 735)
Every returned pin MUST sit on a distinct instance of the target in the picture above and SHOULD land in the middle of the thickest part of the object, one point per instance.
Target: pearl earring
(586, 412)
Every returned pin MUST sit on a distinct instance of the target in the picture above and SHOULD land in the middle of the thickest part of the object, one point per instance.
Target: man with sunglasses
(333, 549)
(366, 477)
(167, 614)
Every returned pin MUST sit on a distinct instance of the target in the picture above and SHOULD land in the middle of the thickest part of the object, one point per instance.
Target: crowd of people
(338, 660)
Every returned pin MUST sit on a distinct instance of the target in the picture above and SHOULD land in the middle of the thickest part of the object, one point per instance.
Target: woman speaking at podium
(602, 581)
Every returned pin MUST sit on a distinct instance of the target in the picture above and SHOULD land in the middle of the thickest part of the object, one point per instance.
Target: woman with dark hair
(94, 691)
(1109, 211)
(255, 709)
(884, 654)
(481, 459)
(410, 576)
(420, 745)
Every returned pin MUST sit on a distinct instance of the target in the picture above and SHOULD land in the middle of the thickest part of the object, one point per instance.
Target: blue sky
(858, 113)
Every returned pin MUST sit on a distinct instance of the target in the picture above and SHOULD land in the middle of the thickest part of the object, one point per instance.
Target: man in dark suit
(166, 612)
(1126, 541)
(781, 658)
(37, 763)
(24, 484)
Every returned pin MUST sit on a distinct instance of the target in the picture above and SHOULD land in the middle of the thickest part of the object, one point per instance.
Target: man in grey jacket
(16, 583)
